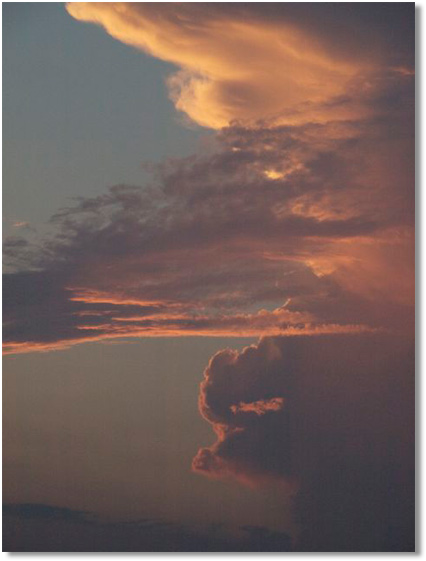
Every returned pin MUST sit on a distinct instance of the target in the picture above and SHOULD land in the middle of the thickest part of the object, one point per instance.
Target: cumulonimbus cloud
(337, 434)
(299, 222)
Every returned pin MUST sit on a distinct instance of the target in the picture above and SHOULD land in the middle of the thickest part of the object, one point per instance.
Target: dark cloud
(45, 528)
(312, 216)
(342, 442)
(42, 511)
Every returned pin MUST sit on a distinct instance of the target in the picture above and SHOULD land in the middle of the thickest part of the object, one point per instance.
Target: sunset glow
(279, 241)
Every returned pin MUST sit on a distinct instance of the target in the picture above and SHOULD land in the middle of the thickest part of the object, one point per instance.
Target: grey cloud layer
(295, 216)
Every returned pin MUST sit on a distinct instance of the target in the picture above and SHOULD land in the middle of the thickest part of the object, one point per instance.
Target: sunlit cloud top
(235, 64)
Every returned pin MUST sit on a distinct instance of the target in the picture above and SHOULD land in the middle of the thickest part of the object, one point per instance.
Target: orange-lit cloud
(218, 248)
(83, 324)
(259, 407)
(235, 64)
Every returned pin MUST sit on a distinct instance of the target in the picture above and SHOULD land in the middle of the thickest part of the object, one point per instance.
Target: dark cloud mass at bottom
(46, 528)
(341, 444)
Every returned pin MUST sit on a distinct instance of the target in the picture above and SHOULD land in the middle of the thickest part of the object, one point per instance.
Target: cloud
(338, 436)
(259, 407)
(40, 527)
(246, 64)
(306, 200)
(216, 247)
(42, 314)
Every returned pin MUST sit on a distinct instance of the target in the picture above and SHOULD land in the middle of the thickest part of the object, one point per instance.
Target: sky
(75, 123)
(208, 288)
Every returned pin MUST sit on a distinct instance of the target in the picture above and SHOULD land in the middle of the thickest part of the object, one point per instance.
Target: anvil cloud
(251, 63)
